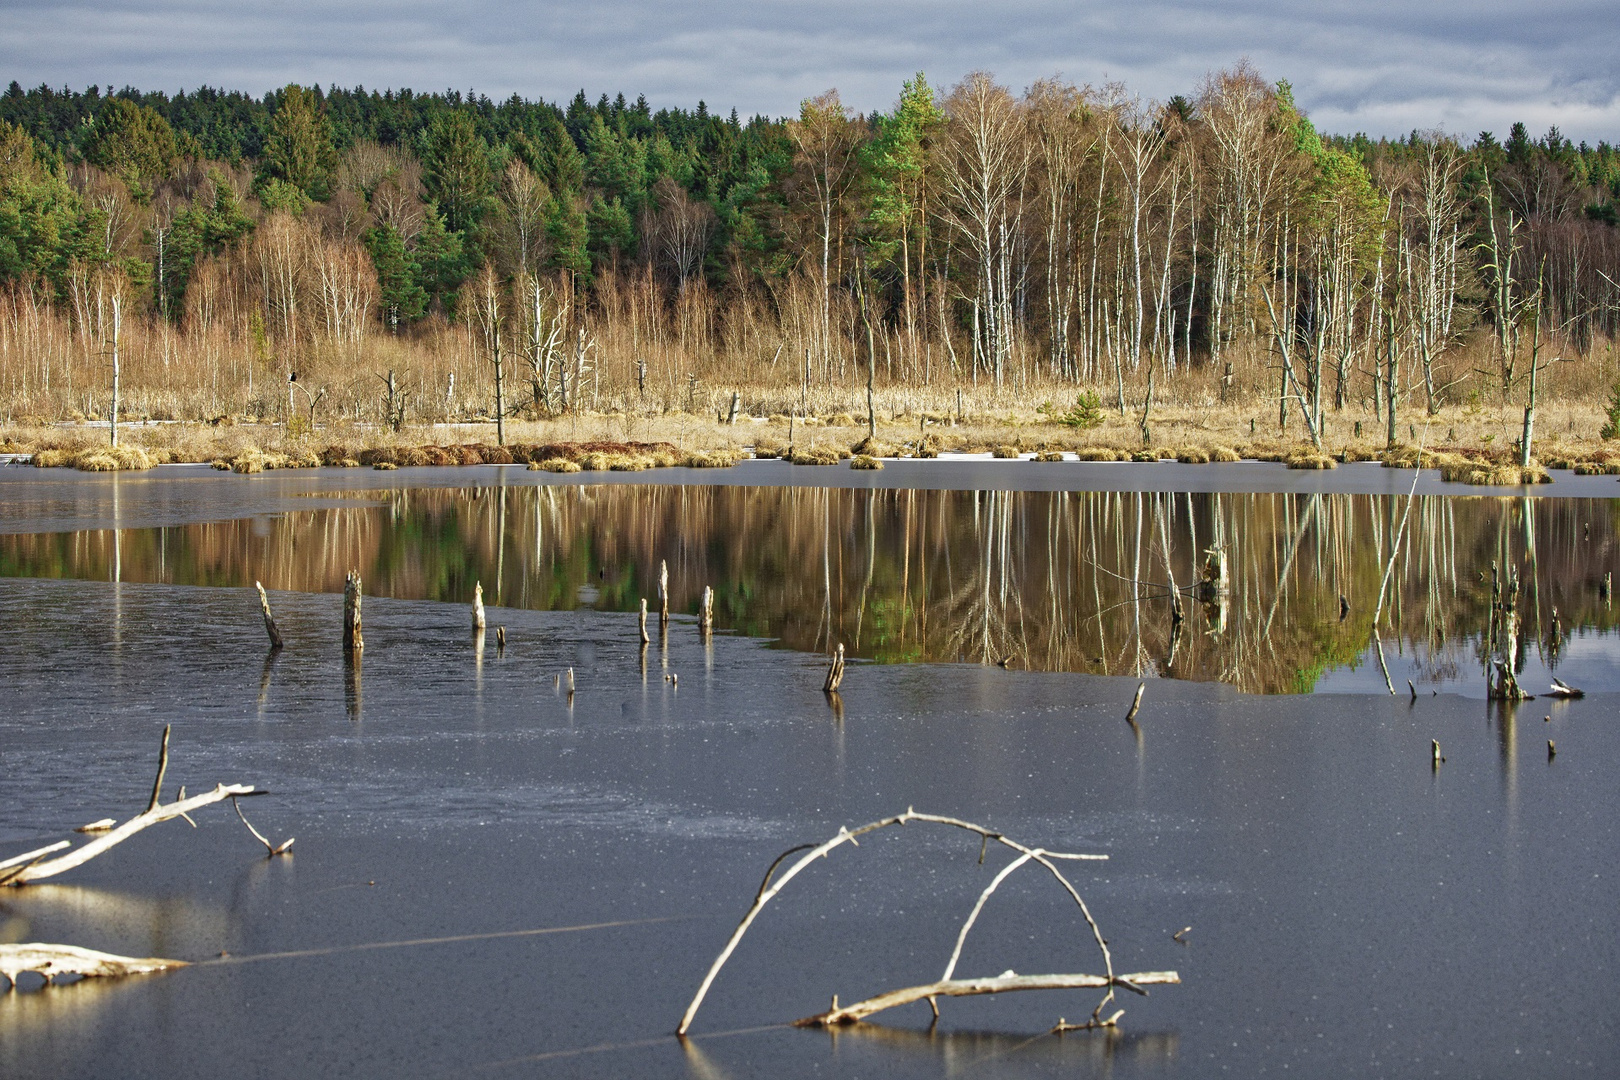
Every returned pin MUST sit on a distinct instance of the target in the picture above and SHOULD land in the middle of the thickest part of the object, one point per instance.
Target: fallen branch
(32, 866)
(49, 960)
(1000, 984)
(1562, 689)
(273, 849)
(947, 986)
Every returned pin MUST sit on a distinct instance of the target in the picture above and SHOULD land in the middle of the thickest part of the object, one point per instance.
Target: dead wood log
(49, 960)
(33, 866)
(353, 641)
(999, 984)
(706, 611)
(269, 619)
(643, 623)
(663, 593)
(1562, 689)
(478, 606)
(773, 884)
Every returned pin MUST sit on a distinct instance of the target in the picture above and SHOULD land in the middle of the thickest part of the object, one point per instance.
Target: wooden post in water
(706, 613)
(835, 671)
(1136, 703)
(663, 594)
(644, 637)
(269, 619)
(352, 639)
(478, 606)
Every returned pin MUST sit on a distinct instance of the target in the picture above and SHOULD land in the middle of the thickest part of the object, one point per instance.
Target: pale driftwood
(1006, 982)
(500, 639)
(35, 855)
(269, 619)
(1136, 703)
(768, 889)
(570, 677)
(706, 611)
(97, 826)
(663, 593)
(353, 640)
(274, 849)
(1562, 689)
(35, 868)
(835, 671)
(49, 960)
(478, 606)
(644, 637)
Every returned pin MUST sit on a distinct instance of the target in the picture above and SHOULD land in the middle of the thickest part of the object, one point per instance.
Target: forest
(206, 249)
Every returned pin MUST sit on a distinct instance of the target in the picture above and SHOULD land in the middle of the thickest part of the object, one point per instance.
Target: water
(1354, 911)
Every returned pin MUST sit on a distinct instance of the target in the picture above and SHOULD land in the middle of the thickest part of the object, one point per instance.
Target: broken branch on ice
(49, 960)
(33, 866)
(946, 986)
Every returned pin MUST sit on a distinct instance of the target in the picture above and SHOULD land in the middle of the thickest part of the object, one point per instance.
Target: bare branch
(769, 889)
(1000, 984)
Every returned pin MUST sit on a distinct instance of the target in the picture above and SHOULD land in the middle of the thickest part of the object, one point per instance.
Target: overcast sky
(1380, 66)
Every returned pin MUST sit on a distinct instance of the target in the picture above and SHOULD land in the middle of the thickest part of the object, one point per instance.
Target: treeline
(1216, 243)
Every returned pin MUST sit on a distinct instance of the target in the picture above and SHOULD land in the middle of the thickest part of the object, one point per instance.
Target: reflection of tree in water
(1078, 581)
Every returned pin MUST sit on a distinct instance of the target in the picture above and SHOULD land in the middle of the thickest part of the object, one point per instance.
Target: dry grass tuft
(767, 447)
(1193, 455)
(865, 461)
(384, 466)
(556, 464)
(1097, 453)
(1050, 455)
(1308, 457)
(1005, 451)
(112, 459)
(1224, 453)
(54, 458)
(710, 459)
(815, 455)
(871, 447)
(1493, 474)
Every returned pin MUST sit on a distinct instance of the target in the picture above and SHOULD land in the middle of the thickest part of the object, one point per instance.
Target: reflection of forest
(1043, 578)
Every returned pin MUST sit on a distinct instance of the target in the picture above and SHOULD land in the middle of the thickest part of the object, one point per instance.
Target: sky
(1385, 67)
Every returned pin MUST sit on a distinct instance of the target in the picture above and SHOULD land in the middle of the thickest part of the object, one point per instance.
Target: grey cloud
(1382, 66)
